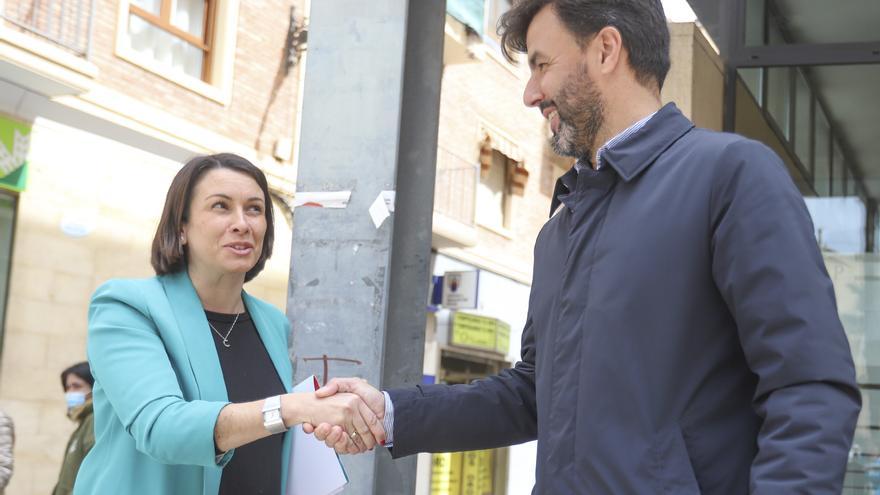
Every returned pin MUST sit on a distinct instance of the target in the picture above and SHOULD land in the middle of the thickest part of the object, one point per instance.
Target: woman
(186, 363)
(77, 383)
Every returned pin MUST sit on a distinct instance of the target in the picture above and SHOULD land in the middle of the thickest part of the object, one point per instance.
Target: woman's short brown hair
(168, 255)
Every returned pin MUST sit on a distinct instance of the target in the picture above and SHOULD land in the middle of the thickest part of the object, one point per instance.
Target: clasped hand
(363, 430)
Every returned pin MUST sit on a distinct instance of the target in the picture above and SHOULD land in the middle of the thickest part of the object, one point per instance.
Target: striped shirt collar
(623, 136)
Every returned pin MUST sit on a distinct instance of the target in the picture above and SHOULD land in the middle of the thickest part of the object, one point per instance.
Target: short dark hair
(642, 26)
(168, 255)
(81, 370)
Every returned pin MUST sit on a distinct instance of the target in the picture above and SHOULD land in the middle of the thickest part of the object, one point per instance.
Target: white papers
(382, 207)
(313, 468)
(322, 199)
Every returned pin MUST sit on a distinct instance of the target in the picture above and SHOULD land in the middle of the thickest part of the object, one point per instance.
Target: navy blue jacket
(682, 334)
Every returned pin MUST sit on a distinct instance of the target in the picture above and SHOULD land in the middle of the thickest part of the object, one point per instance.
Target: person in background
(7, 443)
(77, 382)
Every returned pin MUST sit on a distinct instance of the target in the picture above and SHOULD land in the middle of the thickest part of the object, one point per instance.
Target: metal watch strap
(272, 420)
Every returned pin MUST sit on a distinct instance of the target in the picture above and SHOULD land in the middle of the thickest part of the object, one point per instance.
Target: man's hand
(352, 415)
(334, 435)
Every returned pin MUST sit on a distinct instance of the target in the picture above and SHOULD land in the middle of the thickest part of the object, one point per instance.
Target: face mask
(74, 399)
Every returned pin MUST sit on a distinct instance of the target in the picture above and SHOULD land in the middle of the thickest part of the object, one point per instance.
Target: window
(494, 10)
(493, 193)
(779, 98)
(175, 33)
(803, 100)
(188, 42)
(754, 80)
(822, 154)
(838, 171)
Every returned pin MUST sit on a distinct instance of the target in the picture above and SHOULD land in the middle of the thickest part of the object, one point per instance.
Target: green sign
(481, 332)
(15, 140)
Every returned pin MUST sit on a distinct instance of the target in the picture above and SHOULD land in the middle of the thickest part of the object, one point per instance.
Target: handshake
(347, 414)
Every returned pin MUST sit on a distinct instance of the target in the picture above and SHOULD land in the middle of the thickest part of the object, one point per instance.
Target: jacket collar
(632, 156)
(193, 326)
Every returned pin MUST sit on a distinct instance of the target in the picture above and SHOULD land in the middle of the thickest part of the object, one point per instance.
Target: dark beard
(581, 114)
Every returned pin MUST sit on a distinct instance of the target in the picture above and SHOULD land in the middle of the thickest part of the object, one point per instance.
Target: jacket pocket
(671, 469)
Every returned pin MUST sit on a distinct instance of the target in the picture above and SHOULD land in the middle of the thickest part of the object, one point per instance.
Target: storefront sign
(477, 467)
(15, 140)
(463, 473)
(446, 474)
(460, 289)
(481, 332)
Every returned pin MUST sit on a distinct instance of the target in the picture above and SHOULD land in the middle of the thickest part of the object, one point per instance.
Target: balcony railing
(66, 23)
(455, 190)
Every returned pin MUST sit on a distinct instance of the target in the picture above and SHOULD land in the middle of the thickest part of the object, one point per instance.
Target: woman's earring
(180, 245)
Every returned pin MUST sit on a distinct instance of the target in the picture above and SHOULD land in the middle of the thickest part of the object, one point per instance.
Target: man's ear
(608, 44)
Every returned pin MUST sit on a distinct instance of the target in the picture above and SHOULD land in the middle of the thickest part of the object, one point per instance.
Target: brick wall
(490, 91)
(262, 108)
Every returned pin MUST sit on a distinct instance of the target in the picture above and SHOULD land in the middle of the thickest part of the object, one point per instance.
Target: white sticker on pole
(382, 207)
(322, 199)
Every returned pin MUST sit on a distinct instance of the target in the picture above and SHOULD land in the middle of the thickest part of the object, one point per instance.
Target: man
(682, 334)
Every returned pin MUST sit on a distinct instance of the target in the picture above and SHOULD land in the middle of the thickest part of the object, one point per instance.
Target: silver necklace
(225, 337)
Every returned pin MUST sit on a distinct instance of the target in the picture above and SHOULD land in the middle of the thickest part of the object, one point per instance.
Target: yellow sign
(476, 472)
(481, 332)
(463, 473)
(502, 337)
(446, 474)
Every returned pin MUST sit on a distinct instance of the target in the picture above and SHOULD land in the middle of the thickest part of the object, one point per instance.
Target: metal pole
(369, 123)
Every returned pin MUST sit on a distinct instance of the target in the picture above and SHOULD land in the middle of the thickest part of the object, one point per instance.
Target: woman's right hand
(345, 410)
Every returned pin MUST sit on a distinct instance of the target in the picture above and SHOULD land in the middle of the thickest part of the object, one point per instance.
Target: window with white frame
(493, 193)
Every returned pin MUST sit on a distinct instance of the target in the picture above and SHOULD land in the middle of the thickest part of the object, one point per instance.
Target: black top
(249, 375)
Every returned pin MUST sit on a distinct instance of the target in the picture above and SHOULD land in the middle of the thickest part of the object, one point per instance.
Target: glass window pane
(494, 10)
(778, 93)
(824, 21)
(822, 156)
(753, 79)
(774, 34)
(838, 172)
(802, 125)
(852, 184)
(492, 192)
(838, 223)
(165, 48)
(755, 22)
(152, 6)
(189, 15)
(7, 221)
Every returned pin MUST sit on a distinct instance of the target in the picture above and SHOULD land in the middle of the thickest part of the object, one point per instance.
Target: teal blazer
(159, 388)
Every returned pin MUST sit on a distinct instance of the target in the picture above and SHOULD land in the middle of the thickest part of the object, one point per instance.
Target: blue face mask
(75, 399)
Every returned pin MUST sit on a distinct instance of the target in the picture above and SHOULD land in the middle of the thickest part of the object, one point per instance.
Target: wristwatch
(272, 420)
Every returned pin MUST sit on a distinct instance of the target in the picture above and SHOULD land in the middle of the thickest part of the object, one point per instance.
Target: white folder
(313, 468)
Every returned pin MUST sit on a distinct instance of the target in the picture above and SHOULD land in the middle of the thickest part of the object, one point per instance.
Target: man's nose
(532, 95)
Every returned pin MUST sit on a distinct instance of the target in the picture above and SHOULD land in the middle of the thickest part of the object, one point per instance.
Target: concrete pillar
(358, 292)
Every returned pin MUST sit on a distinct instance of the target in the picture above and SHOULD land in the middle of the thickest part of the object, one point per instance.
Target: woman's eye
(218, 205)
(256, 209)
